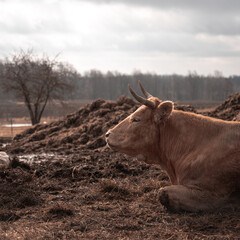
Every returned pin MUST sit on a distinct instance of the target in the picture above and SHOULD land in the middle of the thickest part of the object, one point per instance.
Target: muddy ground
(86, 191)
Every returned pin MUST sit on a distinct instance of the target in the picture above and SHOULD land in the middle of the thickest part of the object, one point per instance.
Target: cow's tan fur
(200, 154)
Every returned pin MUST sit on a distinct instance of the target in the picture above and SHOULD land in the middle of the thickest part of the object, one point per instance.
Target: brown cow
(201, 155)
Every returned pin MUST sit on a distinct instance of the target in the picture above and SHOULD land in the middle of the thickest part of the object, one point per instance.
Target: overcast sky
(159, 36)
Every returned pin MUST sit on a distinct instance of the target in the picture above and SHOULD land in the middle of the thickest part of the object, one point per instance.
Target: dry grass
(10, 132)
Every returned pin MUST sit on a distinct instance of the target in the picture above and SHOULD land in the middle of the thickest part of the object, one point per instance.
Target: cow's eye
(135, 120)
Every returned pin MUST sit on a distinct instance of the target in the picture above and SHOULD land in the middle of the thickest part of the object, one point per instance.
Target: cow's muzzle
(108, 140)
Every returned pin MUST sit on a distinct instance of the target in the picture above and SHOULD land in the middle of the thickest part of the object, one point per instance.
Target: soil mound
(228, 110)
(84, 129)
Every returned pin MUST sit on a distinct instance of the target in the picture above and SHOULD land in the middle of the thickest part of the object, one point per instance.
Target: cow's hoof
(164, 198)
(167, 202)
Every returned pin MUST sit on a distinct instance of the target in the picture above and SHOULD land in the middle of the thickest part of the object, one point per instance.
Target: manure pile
(84, 129)
(228, 110)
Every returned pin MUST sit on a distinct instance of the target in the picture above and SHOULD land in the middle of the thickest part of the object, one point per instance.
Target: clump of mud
(228, 110)
(84, 129)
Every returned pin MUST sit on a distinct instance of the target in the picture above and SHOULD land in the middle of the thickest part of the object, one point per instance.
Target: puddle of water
(17, 125)
(42, 157)
(33, 158)
(5, 144)
(4, 158)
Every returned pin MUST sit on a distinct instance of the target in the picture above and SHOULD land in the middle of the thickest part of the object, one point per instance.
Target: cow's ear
(163, 111)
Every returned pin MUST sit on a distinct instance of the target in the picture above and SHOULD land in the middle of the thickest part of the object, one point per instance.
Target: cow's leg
(189, 198)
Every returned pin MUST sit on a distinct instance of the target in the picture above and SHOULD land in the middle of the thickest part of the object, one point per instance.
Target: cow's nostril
(107, 134)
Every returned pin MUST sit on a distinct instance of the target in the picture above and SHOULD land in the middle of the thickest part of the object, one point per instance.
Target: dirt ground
(86, 191)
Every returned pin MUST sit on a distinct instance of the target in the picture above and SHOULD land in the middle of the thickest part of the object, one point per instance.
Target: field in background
(16, 113)
(6, 132)
(10, 131)
(14, 109)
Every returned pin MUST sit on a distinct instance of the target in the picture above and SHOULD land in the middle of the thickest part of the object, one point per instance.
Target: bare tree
(36, 81)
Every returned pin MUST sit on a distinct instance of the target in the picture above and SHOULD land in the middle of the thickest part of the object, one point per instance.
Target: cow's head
(139, 134)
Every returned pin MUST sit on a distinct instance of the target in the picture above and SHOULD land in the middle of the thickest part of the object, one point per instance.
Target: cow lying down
(201, 155)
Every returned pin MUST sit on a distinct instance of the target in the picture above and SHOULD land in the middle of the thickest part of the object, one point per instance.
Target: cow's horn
(146, 94)
(142, 100)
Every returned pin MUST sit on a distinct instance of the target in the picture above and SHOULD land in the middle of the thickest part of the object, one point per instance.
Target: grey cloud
(203, 5)
(216, 17)
(149, 43)
(22, 26)
(185, 45)
(226, 23)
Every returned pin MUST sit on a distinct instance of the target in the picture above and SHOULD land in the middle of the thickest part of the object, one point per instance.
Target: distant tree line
(95, 84)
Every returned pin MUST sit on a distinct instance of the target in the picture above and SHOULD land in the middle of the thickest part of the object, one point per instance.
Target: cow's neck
(181, 136)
